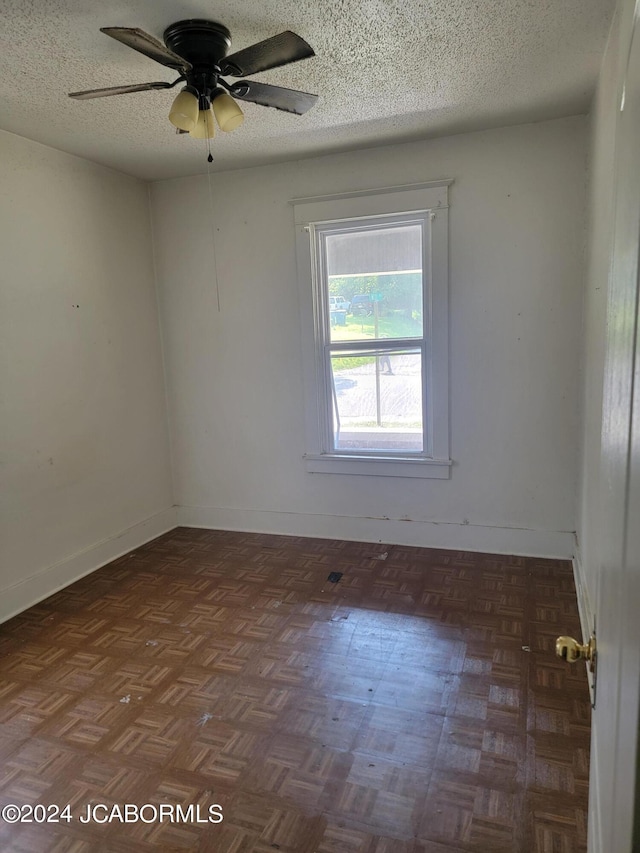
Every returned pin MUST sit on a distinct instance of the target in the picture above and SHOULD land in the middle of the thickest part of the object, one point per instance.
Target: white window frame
(427, 202)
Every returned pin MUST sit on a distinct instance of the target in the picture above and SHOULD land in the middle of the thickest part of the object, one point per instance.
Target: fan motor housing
(204, 44)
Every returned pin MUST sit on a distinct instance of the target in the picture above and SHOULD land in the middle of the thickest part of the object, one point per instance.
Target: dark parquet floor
(416, 706)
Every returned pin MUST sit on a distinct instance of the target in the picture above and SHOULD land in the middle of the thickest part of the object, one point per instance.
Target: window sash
(333, 411)
(318, 233)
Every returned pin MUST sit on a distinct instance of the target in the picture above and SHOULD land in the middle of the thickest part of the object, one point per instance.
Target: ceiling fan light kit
(228, 114)
(197, 50)
(185, 108)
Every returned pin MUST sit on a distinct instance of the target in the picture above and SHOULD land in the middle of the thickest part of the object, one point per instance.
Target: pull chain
(213, 226)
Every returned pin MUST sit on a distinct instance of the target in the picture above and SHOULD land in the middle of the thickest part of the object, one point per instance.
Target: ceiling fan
(197, 50)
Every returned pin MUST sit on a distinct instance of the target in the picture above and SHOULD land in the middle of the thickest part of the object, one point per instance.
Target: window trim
(419, 200)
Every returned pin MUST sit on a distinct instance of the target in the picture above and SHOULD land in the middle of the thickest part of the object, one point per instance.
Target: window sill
(380, 466)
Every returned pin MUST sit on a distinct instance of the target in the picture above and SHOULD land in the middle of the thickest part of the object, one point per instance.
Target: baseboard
(42, 584)
(467, 537)
(426, 534)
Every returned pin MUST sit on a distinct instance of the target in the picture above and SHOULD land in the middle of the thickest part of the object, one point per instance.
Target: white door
(615, 719)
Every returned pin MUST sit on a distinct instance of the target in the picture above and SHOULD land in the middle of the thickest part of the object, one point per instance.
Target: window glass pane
(377, 401)
(374, 283)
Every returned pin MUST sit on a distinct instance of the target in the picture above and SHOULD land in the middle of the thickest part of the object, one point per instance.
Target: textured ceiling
(385, 70)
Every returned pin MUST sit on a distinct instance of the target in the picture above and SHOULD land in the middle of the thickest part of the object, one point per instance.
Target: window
(373, 278)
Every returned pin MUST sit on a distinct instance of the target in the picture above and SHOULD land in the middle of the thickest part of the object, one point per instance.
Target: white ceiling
(385, 70)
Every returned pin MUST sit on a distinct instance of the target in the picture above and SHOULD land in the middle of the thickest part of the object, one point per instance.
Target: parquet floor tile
(415, 706)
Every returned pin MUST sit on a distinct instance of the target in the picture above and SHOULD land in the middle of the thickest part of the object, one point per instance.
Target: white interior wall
(84, 434)
(234, 376)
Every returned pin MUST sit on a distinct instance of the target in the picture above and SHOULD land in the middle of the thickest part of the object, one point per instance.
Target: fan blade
(117, 90)
(289, 100)
(270, 53)
(149, 45)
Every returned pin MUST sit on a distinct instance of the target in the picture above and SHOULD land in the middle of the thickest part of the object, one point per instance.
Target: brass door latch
(571, 650)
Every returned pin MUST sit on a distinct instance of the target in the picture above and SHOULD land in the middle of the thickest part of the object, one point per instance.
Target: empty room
(320, 446)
